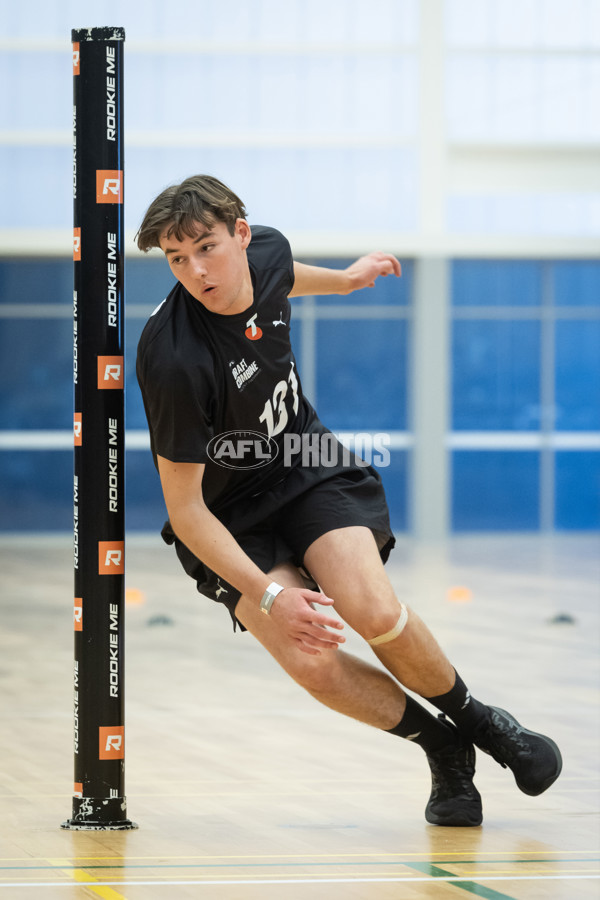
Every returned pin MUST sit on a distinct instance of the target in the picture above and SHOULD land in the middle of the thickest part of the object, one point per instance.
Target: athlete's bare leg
(347, 566)
(367, 693)
(335, 678)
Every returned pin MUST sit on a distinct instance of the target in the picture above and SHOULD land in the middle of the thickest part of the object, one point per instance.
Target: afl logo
(242, 450)
(253, 332)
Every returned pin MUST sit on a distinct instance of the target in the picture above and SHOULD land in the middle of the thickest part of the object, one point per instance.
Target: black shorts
(350, 497)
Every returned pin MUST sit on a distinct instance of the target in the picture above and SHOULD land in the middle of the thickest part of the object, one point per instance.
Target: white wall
(439, 126)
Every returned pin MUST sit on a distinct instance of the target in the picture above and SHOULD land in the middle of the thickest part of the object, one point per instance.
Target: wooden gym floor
(244, 787)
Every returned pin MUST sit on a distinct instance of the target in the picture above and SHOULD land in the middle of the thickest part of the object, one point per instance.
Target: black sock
(420, 727)
(467, 713)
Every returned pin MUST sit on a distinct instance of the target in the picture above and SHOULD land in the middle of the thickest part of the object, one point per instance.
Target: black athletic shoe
(534, 759)
(454, 798)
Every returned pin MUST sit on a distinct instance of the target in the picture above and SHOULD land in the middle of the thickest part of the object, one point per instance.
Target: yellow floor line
(83, 878)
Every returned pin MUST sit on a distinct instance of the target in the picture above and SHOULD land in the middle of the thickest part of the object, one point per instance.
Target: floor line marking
(250, 865)
(81, 877)
(471, 887)
(400, 856)
(361, 880)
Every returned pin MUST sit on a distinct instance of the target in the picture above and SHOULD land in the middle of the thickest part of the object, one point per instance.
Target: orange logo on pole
(77, 433)
(109, 186)
(76, 244)
(76, 59)
(110, 373)
(112, 742)
(78, 614)
(111, 557)
(78, 789)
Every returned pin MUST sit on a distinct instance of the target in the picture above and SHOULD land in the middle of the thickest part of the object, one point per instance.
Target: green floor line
(471, 887)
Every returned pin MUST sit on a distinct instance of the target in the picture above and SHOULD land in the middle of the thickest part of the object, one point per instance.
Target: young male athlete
(295, 531)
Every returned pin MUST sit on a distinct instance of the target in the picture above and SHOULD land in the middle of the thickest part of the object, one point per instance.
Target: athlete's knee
(392, 633)
(380, 626)
(316, 674)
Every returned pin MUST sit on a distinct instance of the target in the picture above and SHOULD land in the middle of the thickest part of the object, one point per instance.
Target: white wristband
(269, 595)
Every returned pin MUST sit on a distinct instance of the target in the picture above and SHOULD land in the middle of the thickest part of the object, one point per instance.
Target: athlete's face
(213, 266)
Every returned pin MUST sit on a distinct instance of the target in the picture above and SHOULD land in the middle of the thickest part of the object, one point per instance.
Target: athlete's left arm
(315, 280)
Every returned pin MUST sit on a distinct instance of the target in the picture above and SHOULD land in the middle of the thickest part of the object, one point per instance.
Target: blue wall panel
(578, 490)
(496, 375)
(36, 281)
(496, 283)
(148, 280)
(362, 374)
(578, 375)
(145, 509)
(135, 417)
(495, 490)
(36, 373)
(577, 283)
(36, 490)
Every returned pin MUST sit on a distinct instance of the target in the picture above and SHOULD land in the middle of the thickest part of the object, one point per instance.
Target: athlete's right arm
(209, 540)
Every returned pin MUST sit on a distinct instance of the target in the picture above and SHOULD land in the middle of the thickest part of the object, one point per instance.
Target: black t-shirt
(205, 375)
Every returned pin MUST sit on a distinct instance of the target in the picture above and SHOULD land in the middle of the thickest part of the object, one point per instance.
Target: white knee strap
(394, 632)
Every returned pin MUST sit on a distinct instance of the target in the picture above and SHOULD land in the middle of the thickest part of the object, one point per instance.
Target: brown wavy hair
(180, 208)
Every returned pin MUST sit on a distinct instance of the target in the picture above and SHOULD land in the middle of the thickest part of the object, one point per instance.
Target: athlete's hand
(367, 269)
(294, 613)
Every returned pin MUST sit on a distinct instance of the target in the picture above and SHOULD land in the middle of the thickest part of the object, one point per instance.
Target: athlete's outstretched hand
(294, 613)
(367, 269)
